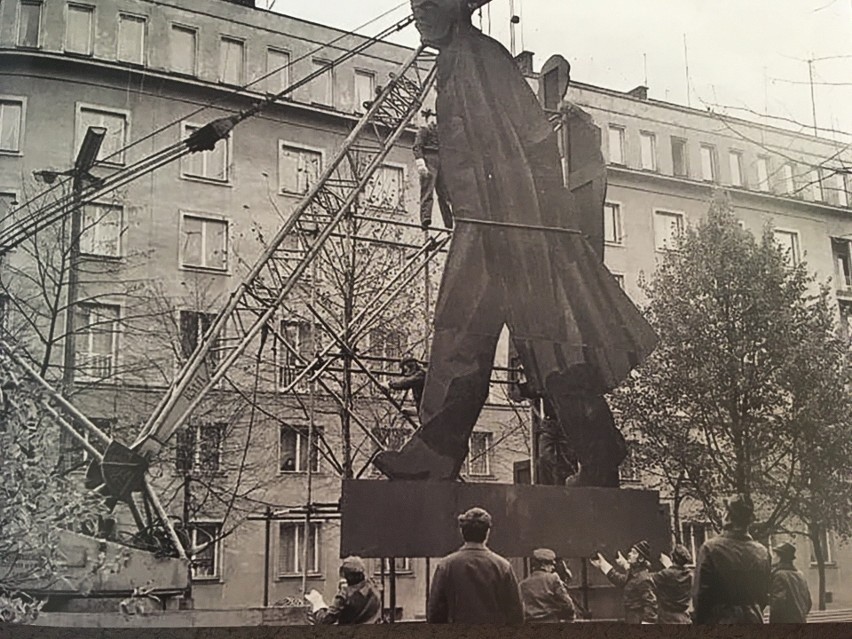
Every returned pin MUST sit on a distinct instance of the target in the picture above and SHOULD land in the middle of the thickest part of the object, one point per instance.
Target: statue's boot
(417, 460)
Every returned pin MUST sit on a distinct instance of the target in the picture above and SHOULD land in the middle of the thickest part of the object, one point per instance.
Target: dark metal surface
(418, 519)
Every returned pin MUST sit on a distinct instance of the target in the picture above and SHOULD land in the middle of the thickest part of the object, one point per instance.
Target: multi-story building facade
(178, 239)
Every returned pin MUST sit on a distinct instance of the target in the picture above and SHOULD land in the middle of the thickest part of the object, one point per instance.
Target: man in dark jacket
(673, 585)
(431, 180)
(413, 377)
(474, 585)
(731, 584)
(358, 602)
(519, 259)
(545, 597)
(640, 600)
(789, 596)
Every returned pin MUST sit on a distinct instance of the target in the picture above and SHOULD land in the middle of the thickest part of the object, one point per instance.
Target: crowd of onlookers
(733, 582)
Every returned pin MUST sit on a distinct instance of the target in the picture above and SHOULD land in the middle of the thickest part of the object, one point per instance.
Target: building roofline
(705, 112)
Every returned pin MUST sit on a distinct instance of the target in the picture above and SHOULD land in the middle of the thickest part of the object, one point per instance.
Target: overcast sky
(743, 54)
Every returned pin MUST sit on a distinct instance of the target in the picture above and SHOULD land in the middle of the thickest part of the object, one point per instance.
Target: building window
(788, 172)
(386, 346)
(206, 563)
(616, 145)
(183, 49)
(667, 229)
(294, 449)
(103, 227)
(392, 438)
(648, 148)
(11, 125)
(277, 70)
(291, 549)
(78, 29)
(298, 168)
(833, 187)
(709, 163)
(384, 189)
(97, 340)
(694, 534)
(402, 565)
(365, 89)
(204, 242)
(29, 25)
(842, 191)
(116, 124)
(231, 61)
(299, 335)
(763, 173)
(131, 38)
(8, 202)
(207, 165)
(479, 457)
(788, 241)
(627, 470)
(843, 265)
(735, 159)
(199, 448)
(194, 326)
(619, 279)
(827, 550)
(323, 85)
(612, 223)
(72, 454)
(680, 159)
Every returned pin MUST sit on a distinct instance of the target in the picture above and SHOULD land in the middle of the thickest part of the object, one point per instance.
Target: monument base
(418, 519)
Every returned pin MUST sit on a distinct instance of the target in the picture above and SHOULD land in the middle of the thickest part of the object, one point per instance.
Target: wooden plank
(418, 519)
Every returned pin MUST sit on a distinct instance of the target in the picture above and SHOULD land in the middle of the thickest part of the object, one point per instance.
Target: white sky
(748, 54)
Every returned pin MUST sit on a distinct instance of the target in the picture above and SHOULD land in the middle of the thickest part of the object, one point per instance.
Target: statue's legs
(468, 321)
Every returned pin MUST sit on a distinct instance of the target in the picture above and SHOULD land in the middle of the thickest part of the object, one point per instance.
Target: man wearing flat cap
(732, 572)
(474, 585)
(638, 594)
(673, 585)
(545, 597)
(789, 596)
(357, 602)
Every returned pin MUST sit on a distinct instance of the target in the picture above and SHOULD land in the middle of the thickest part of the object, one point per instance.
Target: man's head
(353, 570)
(409, 365)
(681, 556)
(544, 559)
(474, 525)
(639, 552)
(437, 20)
(785, 552)
(740, 511)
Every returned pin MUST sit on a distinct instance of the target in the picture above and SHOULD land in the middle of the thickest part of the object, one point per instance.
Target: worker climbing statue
(518, 257)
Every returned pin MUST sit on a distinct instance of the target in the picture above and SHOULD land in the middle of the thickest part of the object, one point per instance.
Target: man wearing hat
(789, 597)
(357, 602)
(639, 597)
(673, 585)
(474, 585)
(732, 572)
(545, 597)
(431, 180)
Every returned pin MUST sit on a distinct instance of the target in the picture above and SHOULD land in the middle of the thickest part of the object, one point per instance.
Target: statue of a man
(517, 258)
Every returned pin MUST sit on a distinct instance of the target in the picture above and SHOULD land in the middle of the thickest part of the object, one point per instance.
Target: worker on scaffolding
(518, 258)
(413, 378)
(428, 167)
(357, 602)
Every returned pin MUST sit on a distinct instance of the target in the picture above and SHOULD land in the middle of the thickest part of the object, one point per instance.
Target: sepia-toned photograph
(480, 313)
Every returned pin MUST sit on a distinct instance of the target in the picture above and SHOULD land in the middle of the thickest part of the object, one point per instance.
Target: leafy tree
(747, 391)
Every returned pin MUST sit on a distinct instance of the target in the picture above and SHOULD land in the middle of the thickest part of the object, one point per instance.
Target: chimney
(640, 92)
(525, 62)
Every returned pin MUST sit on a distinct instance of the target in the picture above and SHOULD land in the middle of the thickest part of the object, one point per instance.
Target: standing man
(732, 572)
(474, 585)
(519, 258)
(431, 181)
(639, 597)
(357, 601)
(545, 597)
(673, 585)
(789, 597)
